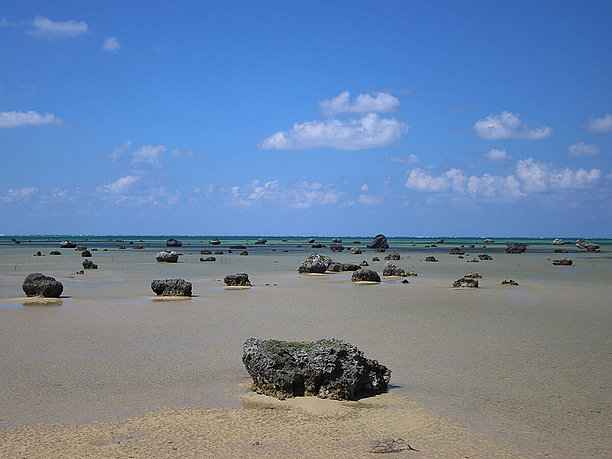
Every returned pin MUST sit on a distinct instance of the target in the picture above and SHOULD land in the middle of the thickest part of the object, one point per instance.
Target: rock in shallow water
(171, 287)
(327, 368)
(37, 284)
(237, 280)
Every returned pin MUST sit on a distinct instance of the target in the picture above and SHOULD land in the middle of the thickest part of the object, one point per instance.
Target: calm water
(527, 364)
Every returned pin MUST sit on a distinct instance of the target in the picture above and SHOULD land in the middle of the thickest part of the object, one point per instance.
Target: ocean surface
(528, 364)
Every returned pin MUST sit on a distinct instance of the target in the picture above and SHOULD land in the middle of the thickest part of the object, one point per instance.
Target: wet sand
(523, 369)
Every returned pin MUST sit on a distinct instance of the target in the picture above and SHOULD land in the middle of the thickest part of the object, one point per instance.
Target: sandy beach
(498, 371)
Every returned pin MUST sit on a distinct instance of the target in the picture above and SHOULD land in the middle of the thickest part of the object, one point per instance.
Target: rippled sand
(522, 369)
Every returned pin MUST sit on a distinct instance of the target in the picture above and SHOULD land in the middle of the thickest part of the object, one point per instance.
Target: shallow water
(528, 364)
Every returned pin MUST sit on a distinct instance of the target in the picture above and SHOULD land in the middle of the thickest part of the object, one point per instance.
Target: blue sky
(300, 118)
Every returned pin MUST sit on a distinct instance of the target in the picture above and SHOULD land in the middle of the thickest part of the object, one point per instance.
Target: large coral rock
(391, 270)
(365, 275)
(465, 283)
(37, 284)
(67, 245)
(515, 247)
(315, 264)
(167, 257)
(171, 242)
(379, 242)
(327, 368)
(171, 287)
(237, 280)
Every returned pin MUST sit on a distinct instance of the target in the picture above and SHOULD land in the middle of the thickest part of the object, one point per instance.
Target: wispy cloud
(508, 125)
(410, 159)
(302, 195)
(119, 187)
(497, 156)
(62, 29)
(581, 149)
(598, 125)
(18, 195)
(364, 103)
(148, 154)
(370, 131)
(111, 44)
(15, 119)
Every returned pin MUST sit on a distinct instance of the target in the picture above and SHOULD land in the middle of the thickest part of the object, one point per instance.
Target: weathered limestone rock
(315, 264)
(393, 256)
(88, 264)
(336, 267)
(586, 245)
(509, 282)
(391, 270)
(237, 280)
(563, 262)
(37, 284)
(171, 287)
(365, 275)
(67, 245)
(328, 368)
(167, 257)
(465, 283)
(516, 247)
(171, 242)
(379, 242)
(431, 259)
(355, 250)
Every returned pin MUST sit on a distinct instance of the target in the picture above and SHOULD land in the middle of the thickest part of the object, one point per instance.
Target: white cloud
(420, 180)
(369, 200)
(497, 156)
(410, 159)
(303, 195)
(186, 154)
(56, 195)
(580, 149)
(148, 154)
(508, 125)
(539, 177)
(121, 186)
(120, 150)
(18, 195)
(365, 187)
(363, 103)
(370, 131)
(598, 125)
(30, 118)
(111, 44)
(47, 28)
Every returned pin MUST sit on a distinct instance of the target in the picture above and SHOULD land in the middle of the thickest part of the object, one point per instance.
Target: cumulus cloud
(598, 125)
(497, 156)
(121, 186)
(581, 149)
(18, 195)
(539, 177)
(45, 27)
(111, 44)
(302, 195)
(148, 154)
(30, 118)
(370, 131)
(363, 103)
(508, 125)
(410, 159)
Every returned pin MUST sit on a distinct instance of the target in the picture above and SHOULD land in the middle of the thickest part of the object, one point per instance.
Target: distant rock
(557, 242)
(473, 276)
(215, 241)
(586, 245)
(208, 259)
(171, 287)
(456, 251)
(137, 247)
(86, 253)
(465, 283)
(340, 267)
(81, 248)
(509, 282)
(337, 240)
(261, 240)
(393, 256)
(38, 254)
(488, 241)
(379, 242)
(205, 252)
(317, 245)
(219, 252)
(171, 242)
(336, 247)
(55, 252)
(433, 259)
(405, 281)
(440, 241)
(563, 262)
(244, 253)
(364, 263)
(375, 259)
(328, 368)
(67, 245)
(37, 284)
(121, 247)
(167, 257)
(88, 264)
(237, 247)
(411, 274)
(561, 251)
(485, 257)
(391, 270)
(237, 280)
(356, 250)
(315, 264)
(515, 247)
(310, 240)
(365, 275)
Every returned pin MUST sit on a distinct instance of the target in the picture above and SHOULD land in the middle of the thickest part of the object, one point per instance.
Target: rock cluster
(393, 256)
(509, 282)
(586, 245)
(563, 262)
(327, 368)
(465, 283)
(37, 284)
(237, 280)
(171, 287)
(391, 270)
(336, 267)
(167, 257)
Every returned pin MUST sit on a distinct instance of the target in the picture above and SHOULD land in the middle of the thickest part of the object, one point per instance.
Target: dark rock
(327, 368)
(219, 252)
(356, 250)
(137, 247)
(456, 251)
(88, 264)
(167, 257)
(586, 245)
(215, 241)
(81, 248)
(411, 274)
(310, 241)
(315, 264)
(485, 256)
(171, 242)
(405, 281)
(244, 253)
(237, 247)
(208, 259)
(465, 283)
(379, 249)
(430, 259)
(337, 240)
(339, 267)
(317, 245)
(356, 242)
(375, 259)
(37, 284)
(393, 256)
(365, 275)
(440, 241)
(55, 252)
(515, 247)
(171, 287)
(488, 241)
(379, 242)
(364, 263)
(261, 240)
(121, 247)
(237, 280)
(86, 253)
(206, 252)
(473, 276)
(509, 282)
(563, 262)
(391, 270)
(67, 245)
(38, 254)
(560, 251)
(336, 248)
